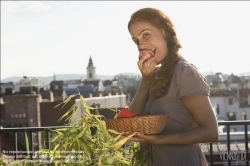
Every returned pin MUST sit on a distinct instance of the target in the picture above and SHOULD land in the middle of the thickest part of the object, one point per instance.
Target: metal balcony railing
(30, 130)
(244, 123)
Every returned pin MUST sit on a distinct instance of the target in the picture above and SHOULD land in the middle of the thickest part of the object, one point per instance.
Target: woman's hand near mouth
(147, 65)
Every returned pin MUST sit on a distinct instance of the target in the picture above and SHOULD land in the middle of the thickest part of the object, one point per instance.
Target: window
(231, 116)
(218, 108)
(24, 115)
(244, 116)
(230, 101)
(20, 115)
(233, 130)
(16, 115)
(12, 116)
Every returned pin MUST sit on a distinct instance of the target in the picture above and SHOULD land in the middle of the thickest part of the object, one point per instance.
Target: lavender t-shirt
(186, 81)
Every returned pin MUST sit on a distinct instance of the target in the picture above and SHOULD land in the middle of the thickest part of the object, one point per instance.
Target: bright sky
(40, 38)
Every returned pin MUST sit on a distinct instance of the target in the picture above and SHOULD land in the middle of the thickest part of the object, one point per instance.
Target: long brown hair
(165, 73)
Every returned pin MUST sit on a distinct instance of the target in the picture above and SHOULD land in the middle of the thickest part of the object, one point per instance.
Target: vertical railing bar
(15, 145)
(47, 139)
(246, 144)
(211, 154)
(228, 144)
(31, 145)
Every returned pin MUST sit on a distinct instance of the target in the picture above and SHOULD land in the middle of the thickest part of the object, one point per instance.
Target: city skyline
(40, 38)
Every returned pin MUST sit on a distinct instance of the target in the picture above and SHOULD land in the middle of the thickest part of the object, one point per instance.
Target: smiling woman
(171, 86)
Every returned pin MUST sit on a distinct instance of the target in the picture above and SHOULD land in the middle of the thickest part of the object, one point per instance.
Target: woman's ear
(163, 33)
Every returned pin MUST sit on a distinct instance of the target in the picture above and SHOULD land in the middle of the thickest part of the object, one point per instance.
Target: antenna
(54, 76)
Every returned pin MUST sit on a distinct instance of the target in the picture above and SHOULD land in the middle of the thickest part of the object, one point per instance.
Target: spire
(90, 62)
(54, 76)
(91, 70)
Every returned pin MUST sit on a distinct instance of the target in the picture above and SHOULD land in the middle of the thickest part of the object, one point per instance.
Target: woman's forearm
(195, 135)
(138, 103)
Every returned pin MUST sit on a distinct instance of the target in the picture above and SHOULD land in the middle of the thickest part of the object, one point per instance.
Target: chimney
(51, 96)
(25, 90)
(39, 98)
(1, 100)
(10, 83)
(90, 95)
(9, 91)
(100, 94)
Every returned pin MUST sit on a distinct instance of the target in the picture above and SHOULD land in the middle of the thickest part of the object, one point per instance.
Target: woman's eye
(145, 35)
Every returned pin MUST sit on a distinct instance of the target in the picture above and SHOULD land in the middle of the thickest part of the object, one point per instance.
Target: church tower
(91, 74)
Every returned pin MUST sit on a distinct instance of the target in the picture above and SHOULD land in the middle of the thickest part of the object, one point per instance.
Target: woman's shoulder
(189, 80)
(182, 65)
(186, 68)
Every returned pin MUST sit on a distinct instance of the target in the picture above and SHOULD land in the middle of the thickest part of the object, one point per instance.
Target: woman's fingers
(146, 66)
(141, 62)
(150, 62)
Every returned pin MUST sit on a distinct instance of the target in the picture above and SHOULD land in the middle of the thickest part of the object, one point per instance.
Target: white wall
(108, 101)
(219, 100)
(80, 108)
(117, 101)
(226, 108)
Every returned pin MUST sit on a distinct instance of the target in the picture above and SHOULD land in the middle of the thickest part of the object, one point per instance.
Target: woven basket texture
(149, 124)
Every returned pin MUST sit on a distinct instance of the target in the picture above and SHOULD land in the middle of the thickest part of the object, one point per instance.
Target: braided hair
(165, 73)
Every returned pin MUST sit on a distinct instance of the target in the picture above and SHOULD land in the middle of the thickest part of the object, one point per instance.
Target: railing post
(228, 144)
(31, 145)
(15, 145)
(47, 139)
(211, 154)
(246, 144)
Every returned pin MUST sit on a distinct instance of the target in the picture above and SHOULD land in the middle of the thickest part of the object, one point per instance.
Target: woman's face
(148, 37)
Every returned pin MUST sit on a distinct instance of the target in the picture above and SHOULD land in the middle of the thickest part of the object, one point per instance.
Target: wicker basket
(149, 124)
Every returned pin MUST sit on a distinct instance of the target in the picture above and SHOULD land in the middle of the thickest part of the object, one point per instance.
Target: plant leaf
(27, 142)
(121, 142)
(68, 112)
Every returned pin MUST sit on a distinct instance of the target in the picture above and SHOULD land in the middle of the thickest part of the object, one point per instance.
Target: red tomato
(125, 113)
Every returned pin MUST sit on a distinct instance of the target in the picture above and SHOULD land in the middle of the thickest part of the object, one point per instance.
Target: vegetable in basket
(125, 113)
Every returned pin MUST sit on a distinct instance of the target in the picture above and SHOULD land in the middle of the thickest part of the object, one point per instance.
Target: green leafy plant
(89, 142)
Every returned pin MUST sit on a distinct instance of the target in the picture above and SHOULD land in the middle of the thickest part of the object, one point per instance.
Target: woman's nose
(141, 46)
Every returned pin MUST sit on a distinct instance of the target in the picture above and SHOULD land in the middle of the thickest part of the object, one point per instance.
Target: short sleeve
(189, 81)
